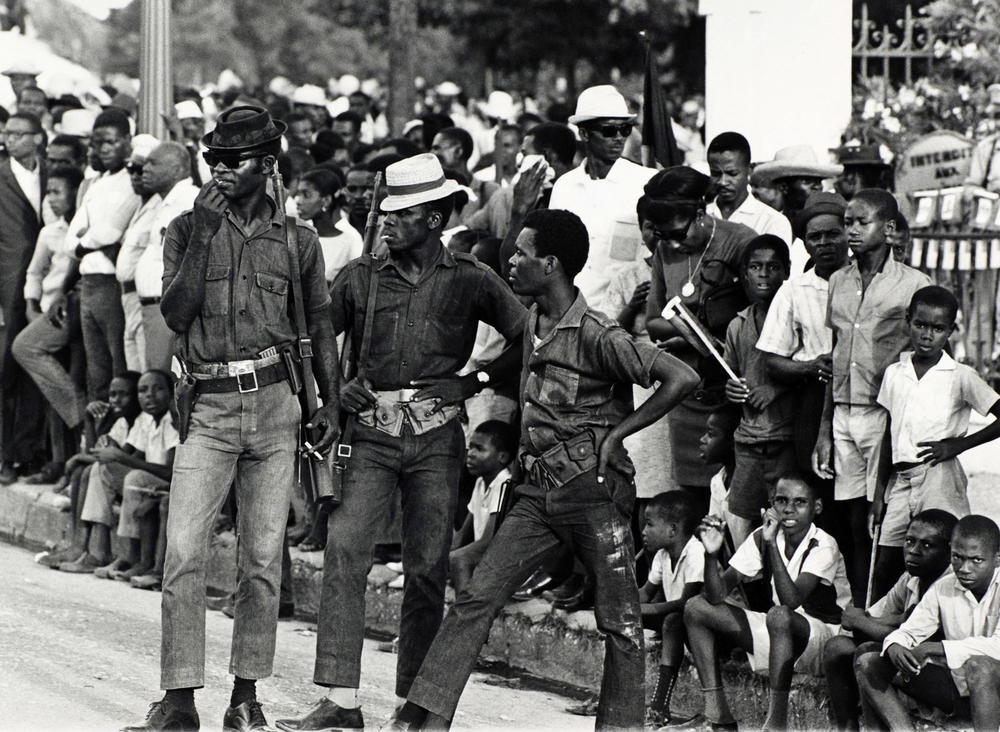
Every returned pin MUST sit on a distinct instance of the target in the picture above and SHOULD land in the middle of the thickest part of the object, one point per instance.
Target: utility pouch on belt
(566, 461)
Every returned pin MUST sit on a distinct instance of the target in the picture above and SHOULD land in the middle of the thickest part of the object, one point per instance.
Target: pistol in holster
(185, 395)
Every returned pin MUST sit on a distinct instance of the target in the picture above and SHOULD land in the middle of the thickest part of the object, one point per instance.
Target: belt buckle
(242, 369)
(404, 396)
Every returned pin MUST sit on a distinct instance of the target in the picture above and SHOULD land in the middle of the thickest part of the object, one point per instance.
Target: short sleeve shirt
(869, 326)
(901, 598)
(154, 440)
(579, 376)
(935, 407)
(796, 320)
(758, 216)
(823, 560)
(119, 431)
(690, 567)
(485, 501)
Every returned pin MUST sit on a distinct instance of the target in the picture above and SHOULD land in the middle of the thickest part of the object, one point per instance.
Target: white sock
(344, 696)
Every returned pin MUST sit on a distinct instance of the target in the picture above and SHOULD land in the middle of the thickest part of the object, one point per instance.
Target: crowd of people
(697, 399)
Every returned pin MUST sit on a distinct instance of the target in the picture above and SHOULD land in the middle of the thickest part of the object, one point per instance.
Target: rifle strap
(302, 330)
(366, 340)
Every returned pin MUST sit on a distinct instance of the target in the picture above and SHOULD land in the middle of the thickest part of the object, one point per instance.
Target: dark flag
(657, 131)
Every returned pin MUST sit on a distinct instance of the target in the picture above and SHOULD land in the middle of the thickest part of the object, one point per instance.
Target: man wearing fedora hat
(984, 168)
(227, 287)
(603, 190)
(863, 168)
(425, 308)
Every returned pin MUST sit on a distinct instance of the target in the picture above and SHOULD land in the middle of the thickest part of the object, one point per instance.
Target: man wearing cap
(227, 286)
(796, 337)
(22, 186)
(428, 303)
(796, 173)
(984, 168)
(192, 123)
(603, 190)
(133, 244)
(863, 168)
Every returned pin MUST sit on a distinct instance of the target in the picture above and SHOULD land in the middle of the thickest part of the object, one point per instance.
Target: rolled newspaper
(675, 309)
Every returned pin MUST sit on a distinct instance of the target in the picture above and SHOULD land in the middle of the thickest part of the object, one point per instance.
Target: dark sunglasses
(134, 168)
(230, 160)
(623, 129)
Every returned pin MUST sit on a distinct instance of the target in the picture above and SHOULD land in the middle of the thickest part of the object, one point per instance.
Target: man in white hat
(984, 169)
(21, 73)
(311, 99)
(403, 407)
(192, 123)
(603, 190)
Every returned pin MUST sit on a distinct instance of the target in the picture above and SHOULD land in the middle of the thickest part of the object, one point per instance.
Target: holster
(560, 464)
(185, 395)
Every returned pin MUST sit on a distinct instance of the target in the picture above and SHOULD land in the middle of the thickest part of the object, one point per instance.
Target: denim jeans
(588, 517)
(250, 438)
(103, 323)
(425, 469)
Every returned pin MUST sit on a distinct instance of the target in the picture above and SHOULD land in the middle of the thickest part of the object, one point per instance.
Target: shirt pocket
(444, 335)
(559, 386)
(217, 299)
(625, 239)
(272, 297)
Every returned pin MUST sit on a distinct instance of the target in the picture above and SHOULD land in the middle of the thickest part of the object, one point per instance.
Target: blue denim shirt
(247, 306)
(579, 376)
(425, 328)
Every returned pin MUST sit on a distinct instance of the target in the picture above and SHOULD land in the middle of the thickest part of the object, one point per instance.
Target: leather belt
(232, 368)
(128, 287)
(244, 383)
(150, 300)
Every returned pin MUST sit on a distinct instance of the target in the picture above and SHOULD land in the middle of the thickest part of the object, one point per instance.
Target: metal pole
(156, 94)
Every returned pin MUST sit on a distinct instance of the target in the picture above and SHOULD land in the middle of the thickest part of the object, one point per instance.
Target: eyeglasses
(134, 168)
(16, 133)
(623, 129)
(229, 160)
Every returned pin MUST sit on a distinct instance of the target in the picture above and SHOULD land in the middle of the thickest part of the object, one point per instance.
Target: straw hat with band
(415, 180)
(797, 161)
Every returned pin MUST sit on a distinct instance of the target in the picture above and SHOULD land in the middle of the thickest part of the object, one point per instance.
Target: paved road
(77, 653)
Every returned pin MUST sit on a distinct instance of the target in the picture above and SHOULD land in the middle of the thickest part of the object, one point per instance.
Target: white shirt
(136, 238)
(154, 440)
(690, 567)
(485, 502)
(30, 182)
(795, 325)
(758, 216)
(339, 250)
(49, 264)
(149, 268)
(935, 407)
(607, 208)
(119, 431)
(824, 560)
(103, 215)
(969, 625)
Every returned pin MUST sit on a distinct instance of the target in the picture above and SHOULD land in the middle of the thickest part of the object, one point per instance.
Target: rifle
(347, 364)
(298, 360)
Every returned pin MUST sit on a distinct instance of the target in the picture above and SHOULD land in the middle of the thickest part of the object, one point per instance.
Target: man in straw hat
(576, 486)
(227, 283)
(604, 189)
(426, 308)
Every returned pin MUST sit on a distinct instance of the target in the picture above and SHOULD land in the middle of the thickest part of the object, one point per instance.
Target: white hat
(348, 84)
(797, 161)
(188, 109)
(281, 86)
(309, 94)
(411, 125)
(23, 67)
(600, 102)
(229, 80)
(416, 180)
(77, 122)
(500, 105)
(338, 106)
(448, 89)
(371, 87)
(142, 146)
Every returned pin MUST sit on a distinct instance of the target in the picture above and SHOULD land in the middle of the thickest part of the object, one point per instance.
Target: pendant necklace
(688, 289)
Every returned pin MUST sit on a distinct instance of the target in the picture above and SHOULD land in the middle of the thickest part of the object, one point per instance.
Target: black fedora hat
(244, 128)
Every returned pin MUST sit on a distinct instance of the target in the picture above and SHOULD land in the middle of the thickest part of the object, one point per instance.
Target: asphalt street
(78, 653)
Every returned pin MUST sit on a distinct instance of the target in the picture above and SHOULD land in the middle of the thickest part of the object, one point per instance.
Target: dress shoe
(148, 581)
(50, 473)
(163, 715)
(325, 716)
(85, 564)
(246, 716)
(108, 571)
(584, 709)
(52, 560)
(534, 586)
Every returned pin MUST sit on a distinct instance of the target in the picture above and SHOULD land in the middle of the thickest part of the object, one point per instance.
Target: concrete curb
(530, 637)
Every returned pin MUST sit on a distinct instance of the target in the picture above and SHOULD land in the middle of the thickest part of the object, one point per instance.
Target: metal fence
(896, 52)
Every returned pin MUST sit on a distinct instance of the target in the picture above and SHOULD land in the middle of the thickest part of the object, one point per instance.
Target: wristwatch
(483, 378)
